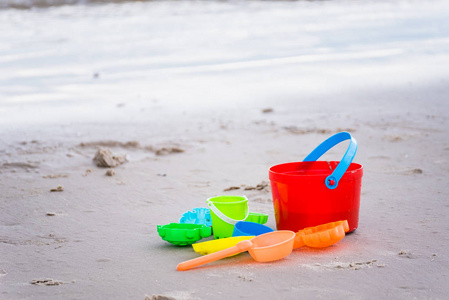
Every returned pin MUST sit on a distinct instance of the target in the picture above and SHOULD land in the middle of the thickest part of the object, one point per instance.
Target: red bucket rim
(290, 171)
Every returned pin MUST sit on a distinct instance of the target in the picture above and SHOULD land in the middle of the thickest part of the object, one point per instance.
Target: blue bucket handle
(333, 179)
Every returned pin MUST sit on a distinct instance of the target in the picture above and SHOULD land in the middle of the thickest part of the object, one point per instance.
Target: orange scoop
(322, 235)
(263, 248)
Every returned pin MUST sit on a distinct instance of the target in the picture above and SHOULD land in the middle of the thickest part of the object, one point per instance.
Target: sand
(190, 132)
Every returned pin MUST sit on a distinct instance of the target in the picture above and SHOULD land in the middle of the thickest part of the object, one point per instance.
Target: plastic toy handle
(240, 247)
(224, 217)
(299, 239)
(333, 179)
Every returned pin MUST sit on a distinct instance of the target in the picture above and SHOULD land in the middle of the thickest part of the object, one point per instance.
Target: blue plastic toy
(198, 215)
(243, 228)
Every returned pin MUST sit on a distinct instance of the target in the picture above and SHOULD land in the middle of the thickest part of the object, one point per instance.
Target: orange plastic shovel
(263, 248)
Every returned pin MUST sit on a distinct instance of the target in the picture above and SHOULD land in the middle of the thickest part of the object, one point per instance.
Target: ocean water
(65, 60)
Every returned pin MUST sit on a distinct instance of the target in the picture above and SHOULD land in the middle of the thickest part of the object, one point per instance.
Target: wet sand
(189, 131)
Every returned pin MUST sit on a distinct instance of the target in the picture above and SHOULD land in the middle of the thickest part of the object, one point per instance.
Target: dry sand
(96, 237)
(100, 239)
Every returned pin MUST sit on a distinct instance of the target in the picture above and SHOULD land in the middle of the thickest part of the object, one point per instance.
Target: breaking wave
(28, 4)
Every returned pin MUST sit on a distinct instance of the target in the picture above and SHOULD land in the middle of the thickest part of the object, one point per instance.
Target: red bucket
(311, 192)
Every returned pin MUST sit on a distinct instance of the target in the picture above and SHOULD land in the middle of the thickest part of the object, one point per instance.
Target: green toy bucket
(225, 211)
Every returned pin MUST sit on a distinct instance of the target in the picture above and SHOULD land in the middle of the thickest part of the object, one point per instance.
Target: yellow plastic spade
(209, 247)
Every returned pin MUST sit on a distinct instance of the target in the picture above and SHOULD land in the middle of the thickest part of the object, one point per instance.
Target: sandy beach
(201, 96)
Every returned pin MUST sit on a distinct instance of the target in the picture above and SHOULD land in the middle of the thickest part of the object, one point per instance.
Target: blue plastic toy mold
(243, 228)
(198, 215)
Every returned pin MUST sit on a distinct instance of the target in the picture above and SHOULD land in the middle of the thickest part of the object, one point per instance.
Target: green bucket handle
(224, 217)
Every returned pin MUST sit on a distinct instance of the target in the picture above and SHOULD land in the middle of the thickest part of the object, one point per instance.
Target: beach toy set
(219, 219)
(315, 204)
